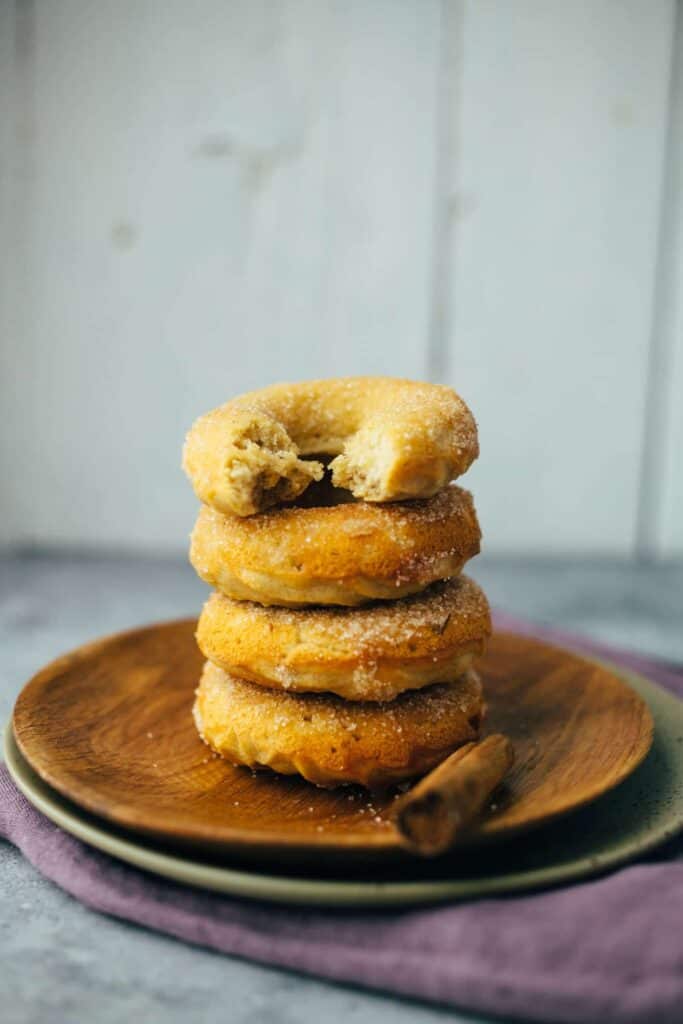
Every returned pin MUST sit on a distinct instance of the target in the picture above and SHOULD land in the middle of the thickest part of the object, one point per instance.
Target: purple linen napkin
(608, 950)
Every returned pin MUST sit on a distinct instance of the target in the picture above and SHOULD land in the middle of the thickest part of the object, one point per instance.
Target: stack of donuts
(340, 636)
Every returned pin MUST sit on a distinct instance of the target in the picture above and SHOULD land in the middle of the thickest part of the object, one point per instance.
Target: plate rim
(336, 893)
(235, 840)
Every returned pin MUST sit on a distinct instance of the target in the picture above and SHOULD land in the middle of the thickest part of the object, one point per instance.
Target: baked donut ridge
(333, 742)
(345, 554)
(369, 654)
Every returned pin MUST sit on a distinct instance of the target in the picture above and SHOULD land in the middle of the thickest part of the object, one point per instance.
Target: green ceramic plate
(641, 813)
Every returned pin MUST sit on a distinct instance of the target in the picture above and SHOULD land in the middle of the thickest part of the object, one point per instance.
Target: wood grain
(561, 131)
(109, 726)
(304, 187)
(267, 169)
(662, 484)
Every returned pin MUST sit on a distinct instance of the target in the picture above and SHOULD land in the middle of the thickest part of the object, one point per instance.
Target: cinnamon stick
(432, 815)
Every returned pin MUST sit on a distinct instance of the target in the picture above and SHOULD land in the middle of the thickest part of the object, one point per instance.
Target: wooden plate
(109, 727)
(640, 814)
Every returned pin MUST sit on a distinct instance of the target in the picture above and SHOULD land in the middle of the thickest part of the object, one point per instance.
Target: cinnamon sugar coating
(372, 653)
(344, 554)
(331, 741)
(391, 439)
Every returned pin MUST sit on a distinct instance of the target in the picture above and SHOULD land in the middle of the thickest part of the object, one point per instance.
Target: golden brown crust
(345, 554)
(393, 439)
(331, 741)
(369, 654)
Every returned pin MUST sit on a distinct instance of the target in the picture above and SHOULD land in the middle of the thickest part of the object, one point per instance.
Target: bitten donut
(391, 439)
(367, 654)
(340, 555)
(331, 741)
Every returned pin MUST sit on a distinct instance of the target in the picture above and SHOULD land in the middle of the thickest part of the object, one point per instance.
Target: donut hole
(388, 439)
(475, 722)
(322, 493)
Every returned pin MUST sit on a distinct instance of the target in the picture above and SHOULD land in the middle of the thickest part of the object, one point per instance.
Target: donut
(391, 439)
(331, 741)
(345, 554)
(367, 654)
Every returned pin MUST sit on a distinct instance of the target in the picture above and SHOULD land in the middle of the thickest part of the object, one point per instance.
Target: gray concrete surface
(61, 963)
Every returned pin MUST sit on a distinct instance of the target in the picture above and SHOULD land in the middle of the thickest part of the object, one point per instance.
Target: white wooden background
(199, 198)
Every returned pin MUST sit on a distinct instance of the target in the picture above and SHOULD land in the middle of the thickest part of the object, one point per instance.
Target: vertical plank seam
(658, 397)
(7, 31)
(20, 129)
(448, 79)
(25, 126)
